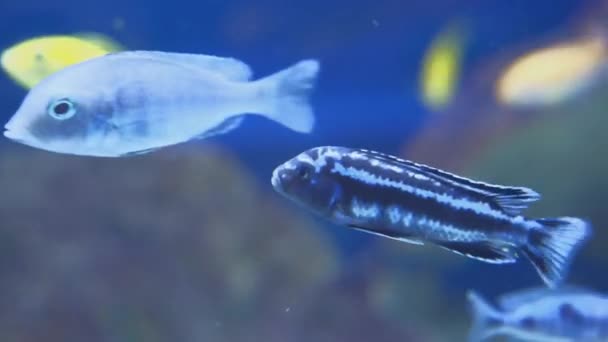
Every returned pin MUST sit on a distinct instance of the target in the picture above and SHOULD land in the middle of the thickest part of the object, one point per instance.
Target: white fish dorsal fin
(511, 199)
(100, 40)
(230, 68)
(511, 301)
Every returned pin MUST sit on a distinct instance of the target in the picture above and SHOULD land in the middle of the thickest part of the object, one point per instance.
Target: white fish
(566, 315)
(135, 102)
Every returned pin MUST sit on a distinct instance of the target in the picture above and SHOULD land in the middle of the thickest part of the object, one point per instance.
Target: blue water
(367, 96)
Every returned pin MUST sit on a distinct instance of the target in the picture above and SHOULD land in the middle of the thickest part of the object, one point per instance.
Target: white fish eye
(62, 109)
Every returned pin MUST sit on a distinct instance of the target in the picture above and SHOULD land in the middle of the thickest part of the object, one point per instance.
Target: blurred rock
(177, 245)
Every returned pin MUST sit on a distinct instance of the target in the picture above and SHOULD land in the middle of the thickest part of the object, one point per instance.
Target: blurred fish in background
(568, 314)
(30, 61)
(553, 74)
(441, 66)
(509, 93)
(535, 114)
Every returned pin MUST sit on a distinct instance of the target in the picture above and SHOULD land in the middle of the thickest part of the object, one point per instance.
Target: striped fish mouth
(278, 179)
(280, 175)
(275, 179)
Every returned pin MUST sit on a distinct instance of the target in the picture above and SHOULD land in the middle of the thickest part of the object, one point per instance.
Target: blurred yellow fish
(31, 61)
(551, 75)
(441, 67)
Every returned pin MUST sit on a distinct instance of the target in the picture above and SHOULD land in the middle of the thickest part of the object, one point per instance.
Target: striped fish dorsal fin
(511, 199)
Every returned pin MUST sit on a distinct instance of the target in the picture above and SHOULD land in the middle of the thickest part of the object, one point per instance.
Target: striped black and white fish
(414, 203)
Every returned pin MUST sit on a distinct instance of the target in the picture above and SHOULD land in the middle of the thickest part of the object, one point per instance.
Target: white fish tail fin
(551, 248)
(287, 93)
(487, 321)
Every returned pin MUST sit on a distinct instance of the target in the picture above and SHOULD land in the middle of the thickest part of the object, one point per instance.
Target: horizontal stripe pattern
(406, 198)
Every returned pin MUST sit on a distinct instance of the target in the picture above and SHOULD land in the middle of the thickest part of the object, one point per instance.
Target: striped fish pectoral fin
(387, 234)
(489, 252)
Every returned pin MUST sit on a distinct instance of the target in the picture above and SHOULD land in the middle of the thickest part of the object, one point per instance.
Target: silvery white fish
(414, 203)
(545, 315)
(134, 102)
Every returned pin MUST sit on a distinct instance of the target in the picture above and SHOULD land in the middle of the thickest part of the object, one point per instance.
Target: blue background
(367, 94)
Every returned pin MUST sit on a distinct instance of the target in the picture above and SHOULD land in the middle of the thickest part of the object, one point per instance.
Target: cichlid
(441, 67)
(134, 102)
(31, 61)
(553, 75)
(414, 203)
(565, 315)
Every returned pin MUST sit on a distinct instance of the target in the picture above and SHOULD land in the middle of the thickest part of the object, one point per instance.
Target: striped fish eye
(304, 172)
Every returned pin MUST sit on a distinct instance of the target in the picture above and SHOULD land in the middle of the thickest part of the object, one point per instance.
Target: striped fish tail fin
(552, 246)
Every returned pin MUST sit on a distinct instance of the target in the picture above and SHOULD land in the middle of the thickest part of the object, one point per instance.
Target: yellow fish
(441, 67)
(553, 74)
(31, 61)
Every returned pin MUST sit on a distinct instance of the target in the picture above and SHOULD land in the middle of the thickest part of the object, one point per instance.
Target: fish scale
(415, 203)
(378, 188)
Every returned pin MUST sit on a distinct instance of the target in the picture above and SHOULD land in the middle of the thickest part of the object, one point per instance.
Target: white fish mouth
(15, 135)
(10, 134)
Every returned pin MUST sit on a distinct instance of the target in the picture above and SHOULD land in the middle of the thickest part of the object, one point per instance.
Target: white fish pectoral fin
(223, 128)
(388, 235)
(137, 153)
(483, 251)
(229, 68)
